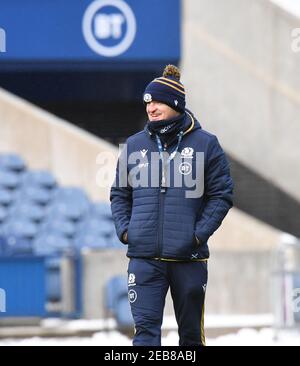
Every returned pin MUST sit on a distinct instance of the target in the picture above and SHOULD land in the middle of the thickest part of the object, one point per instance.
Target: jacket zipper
(161, 203)
(161, 223)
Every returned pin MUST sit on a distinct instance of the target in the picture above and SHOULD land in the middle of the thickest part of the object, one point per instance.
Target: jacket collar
(190, 124)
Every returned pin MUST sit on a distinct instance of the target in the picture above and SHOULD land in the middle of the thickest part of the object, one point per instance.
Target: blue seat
(53, 285)
(92, 241)
(72, 194)
(59, 226)
(97, 226)
(34, 194)
(6, 197)
(27, 210)
(3, 214)
(51, 244)
(115, 288)
(53, 262)
(21, 228)
(12, 162)
(73, 202)
(123, 313)
(17, 246)
(101, 210)
(53, 279)
(66, 210)
(9, 179)
(2, 244)
(40, 178)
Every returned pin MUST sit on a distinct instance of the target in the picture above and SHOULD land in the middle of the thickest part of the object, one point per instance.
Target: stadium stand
(51, 218)
(40, 218)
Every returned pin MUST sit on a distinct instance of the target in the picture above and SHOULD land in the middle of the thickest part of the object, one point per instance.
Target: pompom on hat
(167, 89)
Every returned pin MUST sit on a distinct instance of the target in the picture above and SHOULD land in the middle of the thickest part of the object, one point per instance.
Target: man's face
(158, 111)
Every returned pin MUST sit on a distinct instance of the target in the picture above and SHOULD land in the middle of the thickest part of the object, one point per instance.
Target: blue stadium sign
(109, 27)
(90, 30)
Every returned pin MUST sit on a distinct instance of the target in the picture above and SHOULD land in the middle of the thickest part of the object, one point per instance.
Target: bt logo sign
(109, 27)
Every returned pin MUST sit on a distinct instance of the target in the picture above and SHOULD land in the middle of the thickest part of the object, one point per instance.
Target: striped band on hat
(171, 83)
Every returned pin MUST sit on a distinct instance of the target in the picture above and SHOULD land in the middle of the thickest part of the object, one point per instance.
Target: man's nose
(151, 107)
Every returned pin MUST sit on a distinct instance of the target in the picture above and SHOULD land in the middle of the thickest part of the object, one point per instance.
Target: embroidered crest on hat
(147, 98)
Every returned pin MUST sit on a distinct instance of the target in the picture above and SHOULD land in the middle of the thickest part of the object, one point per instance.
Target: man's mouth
(154, 116)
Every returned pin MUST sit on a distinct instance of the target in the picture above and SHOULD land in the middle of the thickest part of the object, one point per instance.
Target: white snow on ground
(169, 322)
(227, 321)
(292, 6)
(106, 334)
(245, 337)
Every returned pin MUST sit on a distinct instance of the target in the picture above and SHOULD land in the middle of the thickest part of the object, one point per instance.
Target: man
(165, 222)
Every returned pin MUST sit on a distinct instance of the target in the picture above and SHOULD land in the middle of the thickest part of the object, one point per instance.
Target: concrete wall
(243, 82)
(48, 142)
(97, 268)
(239, 281)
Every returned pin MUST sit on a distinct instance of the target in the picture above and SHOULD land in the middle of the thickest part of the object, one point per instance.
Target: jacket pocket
(196, 244)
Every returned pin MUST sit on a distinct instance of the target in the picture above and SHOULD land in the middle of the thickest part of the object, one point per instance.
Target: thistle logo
(2, 301)
(2, 40)
(109, 27)
(131, 279)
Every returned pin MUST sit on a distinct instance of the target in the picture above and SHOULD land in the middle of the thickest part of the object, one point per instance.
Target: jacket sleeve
(218, 190)
(121, 197)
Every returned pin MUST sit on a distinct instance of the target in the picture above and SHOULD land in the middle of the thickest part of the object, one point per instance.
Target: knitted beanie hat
(167, 89)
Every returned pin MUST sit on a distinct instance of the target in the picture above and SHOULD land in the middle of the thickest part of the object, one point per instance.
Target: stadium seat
(59, 226)
(27, 210)
(34, 194)
(97, 226)
(116, 301)
(101, 210)
(41, 178)
(9, 180)
(53, 285)
(90, 240)
(3, 214)
(12, 162)
(115, 288)
(14, 245)
(21, 228)
(6, 197)
(49, 244)
(66, 210)
(53, 279)
(2, 244)
(53, 262)
(123, 313)
(72, 195)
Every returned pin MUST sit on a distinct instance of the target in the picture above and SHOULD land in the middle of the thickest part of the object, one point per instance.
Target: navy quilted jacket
(163, 223)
